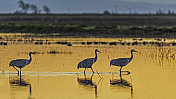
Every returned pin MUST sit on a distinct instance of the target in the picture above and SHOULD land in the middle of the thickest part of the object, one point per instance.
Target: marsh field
(91, 25)
(53, 73)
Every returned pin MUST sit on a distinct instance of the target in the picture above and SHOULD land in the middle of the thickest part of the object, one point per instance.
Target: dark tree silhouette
(106, 12)
(21, 4)
(24, 6)
(46, 9)
(159, 11)
(34, 9)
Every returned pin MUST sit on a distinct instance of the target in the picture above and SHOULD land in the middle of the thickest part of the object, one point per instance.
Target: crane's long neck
(95, 56)
(131, 56)
(30, 58)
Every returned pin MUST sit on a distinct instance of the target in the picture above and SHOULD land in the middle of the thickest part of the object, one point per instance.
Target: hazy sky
(85, 6)
(153, 1)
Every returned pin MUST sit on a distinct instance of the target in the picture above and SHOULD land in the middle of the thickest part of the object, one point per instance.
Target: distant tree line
(158, 12)
(169, 12)
(26, 8)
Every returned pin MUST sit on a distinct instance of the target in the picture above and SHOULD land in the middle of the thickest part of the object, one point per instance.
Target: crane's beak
(98, 51)
(136, 51)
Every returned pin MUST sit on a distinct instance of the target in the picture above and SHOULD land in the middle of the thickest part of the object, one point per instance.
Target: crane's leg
(84, 70)
(92, 70)
(120, 70)
(121, 78)
(20, 71)
(85, 77)
(20, 79)
(16, 69)
(126, 72)
(91, 77)
(30, 89)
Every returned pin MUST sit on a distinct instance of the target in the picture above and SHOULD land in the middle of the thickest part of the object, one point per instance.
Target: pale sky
(95, 6)
(153, 1)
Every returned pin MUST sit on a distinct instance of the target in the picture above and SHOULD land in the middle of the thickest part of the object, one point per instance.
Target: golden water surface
(55, 76)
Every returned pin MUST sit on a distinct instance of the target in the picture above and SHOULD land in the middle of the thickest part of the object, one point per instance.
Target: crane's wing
(19, 63)
(87, 63)
(120, 61)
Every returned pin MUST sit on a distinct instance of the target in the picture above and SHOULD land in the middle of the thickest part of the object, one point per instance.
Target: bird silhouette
(121, 62)
(20, 63)
(87, 63)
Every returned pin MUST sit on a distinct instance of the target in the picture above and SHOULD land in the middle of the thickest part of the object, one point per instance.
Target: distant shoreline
(91, 25)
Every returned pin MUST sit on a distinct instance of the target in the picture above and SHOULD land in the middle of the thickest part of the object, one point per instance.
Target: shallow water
(55, 75)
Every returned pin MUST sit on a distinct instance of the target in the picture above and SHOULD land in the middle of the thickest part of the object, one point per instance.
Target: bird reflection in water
(17, 82)
(122, 83)
(88, 83)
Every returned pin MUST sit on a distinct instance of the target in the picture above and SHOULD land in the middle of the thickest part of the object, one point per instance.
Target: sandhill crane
(87, 63)
(20, 63)
(121, 62)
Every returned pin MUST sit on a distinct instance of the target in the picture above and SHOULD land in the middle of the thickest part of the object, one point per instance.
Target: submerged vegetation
(45, 39)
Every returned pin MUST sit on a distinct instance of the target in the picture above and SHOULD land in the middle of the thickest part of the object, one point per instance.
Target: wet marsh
(53, 71)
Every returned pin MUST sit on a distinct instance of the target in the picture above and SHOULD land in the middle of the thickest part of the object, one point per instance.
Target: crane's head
(97, 50)
(31, 53)
(133, 50)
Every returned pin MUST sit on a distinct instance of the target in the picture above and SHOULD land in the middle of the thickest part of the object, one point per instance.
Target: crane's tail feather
(110, 63)
(10, 64)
